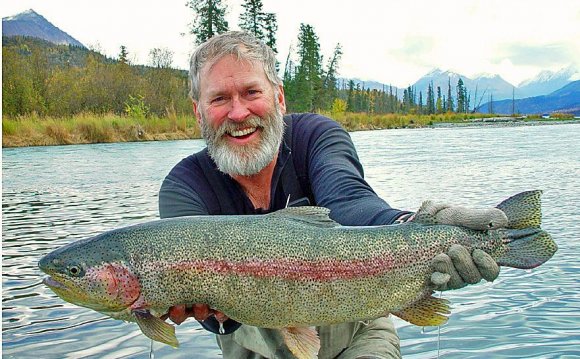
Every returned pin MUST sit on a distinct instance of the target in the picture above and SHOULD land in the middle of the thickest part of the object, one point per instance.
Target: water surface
(55, 195)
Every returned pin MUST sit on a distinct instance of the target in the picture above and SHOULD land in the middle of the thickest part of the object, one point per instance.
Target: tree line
(59, 80)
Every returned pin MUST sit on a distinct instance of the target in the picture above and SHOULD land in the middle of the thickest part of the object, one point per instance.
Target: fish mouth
(53, 284)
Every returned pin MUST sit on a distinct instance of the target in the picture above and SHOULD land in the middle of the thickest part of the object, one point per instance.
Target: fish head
(92, 277)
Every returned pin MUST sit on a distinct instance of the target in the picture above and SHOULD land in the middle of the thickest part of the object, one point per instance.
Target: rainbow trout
(290, 270)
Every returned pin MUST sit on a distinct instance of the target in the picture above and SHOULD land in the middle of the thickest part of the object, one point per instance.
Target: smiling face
(240, 115)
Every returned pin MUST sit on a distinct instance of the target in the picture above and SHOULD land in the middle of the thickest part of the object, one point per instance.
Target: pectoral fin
(426, 312)
(156, 328)
(303, 342)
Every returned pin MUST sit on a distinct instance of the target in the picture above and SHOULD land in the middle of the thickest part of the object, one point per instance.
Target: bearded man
(257, 161)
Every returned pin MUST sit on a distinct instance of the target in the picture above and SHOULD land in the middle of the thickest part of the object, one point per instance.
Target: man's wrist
(405, 217)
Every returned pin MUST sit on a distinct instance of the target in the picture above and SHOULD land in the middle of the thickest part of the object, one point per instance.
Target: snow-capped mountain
(30, 23)
(547, 81)
(565, 99)
(485, 84)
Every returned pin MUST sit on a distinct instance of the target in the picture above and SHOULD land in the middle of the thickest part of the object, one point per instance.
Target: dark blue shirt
(316, 161)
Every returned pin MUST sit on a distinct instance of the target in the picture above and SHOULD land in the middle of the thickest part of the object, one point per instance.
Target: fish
(289, 270)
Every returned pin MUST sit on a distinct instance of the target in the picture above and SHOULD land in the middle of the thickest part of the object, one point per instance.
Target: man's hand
(458, 268)
(179, 313)
(210, 319)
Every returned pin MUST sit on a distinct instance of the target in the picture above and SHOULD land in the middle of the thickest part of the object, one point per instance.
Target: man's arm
(337, 179)
(177, 199)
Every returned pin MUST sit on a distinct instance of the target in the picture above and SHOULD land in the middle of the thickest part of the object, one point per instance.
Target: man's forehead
(245, 65)
(237, 60)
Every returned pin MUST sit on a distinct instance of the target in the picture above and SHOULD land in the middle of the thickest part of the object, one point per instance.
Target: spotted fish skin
(291, 268)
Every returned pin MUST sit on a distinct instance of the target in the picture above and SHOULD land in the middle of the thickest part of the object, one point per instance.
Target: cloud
(416, 49)
(548, 55)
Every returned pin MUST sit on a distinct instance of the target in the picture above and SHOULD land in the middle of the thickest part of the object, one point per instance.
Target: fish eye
(75, 271)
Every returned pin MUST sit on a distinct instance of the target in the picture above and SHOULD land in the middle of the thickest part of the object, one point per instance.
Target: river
(55, 195)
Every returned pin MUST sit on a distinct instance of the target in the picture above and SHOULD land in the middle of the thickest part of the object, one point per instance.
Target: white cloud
(389, 41)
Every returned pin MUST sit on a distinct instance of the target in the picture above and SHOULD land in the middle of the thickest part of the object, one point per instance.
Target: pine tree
(449, 107)
(309, 71)
(350, 106)
(329, 81)
(270, 28)
(440, 102)
(460, 96)
(209, 19)
(251, 20)
(123, 55)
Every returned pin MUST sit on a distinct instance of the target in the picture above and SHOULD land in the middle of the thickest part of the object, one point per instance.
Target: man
(258, 161)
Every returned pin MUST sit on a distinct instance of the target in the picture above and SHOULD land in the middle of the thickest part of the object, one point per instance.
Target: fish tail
(528, 246)
(523, 210)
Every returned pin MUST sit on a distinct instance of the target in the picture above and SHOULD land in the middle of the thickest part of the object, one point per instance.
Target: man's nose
(239, 111)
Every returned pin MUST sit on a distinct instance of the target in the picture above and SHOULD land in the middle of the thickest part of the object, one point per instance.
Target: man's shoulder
(190, 167)
(306, 125)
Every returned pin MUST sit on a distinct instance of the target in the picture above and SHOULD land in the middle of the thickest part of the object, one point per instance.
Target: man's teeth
(245, 131)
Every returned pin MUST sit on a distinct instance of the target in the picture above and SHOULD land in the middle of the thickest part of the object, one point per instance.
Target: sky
(390, 41)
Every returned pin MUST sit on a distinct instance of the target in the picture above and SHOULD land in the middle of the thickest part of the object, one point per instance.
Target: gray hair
(241, 44)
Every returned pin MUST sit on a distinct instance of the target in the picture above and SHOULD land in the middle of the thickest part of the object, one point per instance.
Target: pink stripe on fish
(295, 269)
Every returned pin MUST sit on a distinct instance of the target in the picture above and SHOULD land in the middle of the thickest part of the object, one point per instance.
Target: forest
(42, 80)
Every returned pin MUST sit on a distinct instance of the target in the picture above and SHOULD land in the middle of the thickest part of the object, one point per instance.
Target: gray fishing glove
(458, 268)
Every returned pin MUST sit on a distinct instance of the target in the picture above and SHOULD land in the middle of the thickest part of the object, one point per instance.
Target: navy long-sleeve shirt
(315, 153)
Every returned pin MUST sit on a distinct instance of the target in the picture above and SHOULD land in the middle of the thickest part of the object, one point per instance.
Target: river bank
(109, 128)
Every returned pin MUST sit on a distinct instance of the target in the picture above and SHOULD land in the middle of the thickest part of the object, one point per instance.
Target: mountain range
(541, 90)
(29, 23)
(565, 100)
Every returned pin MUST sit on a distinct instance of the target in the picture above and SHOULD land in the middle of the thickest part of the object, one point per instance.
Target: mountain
(547, 81)
(368, 84)
(486, 84)
(565, 99)
(29, 23)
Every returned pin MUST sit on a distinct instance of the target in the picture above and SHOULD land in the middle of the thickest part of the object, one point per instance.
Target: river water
(55, 195)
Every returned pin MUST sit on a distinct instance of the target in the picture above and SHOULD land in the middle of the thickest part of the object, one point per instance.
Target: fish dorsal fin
(316, 216)
(303, 342)
(156, 328)
(429, 311)
(523, 210)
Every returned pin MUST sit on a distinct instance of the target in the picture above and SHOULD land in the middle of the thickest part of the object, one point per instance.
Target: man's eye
(253, 92)
(218, 99)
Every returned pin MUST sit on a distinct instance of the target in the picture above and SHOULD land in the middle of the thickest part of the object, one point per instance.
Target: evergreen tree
(430, 99)
(461, 96)
(270, 28)
(439, 104)
(449, 107)
(329, 90)
(209, 19)
(350, 102)
(252, 19)
(309, 70)
(123, 55)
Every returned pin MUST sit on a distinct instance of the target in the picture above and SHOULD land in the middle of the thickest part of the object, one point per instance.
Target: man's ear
(281, 99)
(196, 110)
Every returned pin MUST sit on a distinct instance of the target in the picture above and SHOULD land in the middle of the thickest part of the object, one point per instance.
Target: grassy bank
(362, 121)
(90, 128)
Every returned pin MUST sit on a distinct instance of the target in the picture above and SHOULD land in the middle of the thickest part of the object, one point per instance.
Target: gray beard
(249, 159)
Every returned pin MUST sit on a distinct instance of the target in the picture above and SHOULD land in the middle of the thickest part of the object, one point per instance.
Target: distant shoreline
(500, 122)
(109, 128)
